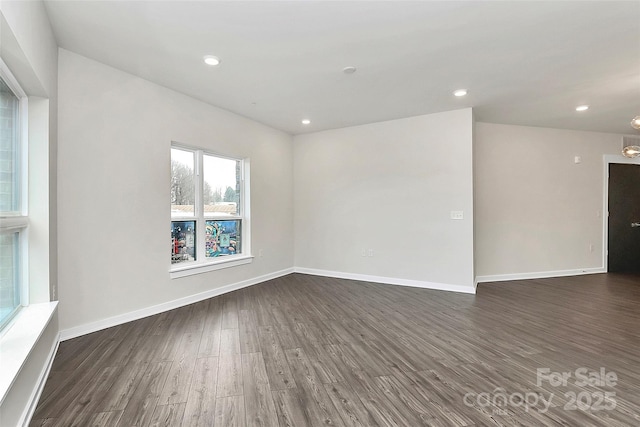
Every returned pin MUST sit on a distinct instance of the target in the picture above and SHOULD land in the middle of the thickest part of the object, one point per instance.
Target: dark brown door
(624, 218)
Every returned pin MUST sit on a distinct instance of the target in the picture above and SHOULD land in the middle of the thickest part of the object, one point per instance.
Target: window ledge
(18, 340)
(218, 264)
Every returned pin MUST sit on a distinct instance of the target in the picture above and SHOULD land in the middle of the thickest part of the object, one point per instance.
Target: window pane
(9, 150)
(9, 274)
(222, 238)
(222, 183)
(183, 241)
(183, 184)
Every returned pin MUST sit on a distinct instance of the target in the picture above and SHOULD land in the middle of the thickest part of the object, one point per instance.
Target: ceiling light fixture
(211, 60)
(631, 144)
(306, 121)
(631, 151)
(349, 70)
(582, 108)
(460, 92)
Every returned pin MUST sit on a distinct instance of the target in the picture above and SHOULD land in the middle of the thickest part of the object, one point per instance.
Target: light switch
(457, 215)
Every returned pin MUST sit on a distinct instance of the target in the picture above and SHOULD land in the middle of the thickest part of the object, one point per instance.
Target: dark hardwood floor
(309, 351)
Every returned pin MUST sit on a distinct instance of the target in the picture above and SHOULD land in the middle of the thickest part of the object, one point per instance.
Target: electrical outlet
(457, 215)
(370, 252)
(590, 247)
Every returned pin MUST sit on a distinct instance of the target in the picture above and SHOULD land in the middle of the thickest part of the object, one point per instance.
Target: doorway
(623, 243)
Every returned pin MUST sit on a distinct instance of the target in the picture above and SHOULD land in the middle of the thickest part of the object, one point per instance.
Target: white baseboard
(42, 380)
(539, 275)
(387, 280)
(88, 328)
(170, 305)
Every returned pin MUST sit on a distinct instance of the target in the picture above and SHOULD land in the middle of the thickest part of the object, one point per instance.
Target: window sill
(18, 340)
(218, 264)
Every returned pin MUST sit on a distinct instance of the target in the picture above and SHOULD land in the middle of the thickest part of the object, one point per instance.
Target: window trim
(202, 264)
(218, 264)
(18, 221)
(23, 138)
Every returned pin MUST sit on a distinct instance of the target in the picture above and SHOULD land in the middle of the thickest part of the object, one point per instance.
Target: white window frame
(18, 221)
(203, 264)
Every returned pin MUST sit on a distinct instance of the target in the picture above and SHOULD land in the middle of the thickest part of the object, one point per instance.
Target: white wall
(115, 132)
(537, 210)
(389, 187)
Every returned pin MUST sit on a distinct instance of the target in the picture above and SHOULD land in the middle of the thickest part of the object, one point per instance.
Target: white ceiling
(525, 63)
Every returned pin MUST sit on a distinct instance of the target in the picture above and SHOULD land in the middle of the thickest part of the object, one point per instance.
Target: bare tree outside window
(183, 188)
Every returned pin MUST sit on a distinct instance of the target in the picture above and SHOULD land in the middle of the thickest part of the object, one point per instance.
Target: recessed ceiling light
(582, 108)
(460, 92)
(306, 121)
(211, 60)
(349, 70)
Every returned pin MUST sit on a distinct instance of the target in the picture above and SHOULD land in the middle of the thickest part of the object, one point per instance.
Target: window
(209, 210)
(13, 213)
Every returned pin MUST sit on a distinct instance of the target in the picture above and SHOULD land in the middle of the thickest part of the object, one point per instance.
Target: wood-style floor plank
(259, 406)
(316, 404)
(289, 408)
(229, 312)
(105, 419)
(178, 383)
(84, 405)
(229, 375)
(278, 369)
(143, 402)
(230, 411)
(249, 341)
(311, 351)
(47, 422)
(168, 415)
(349, 406)
(230, 341)
(119, 394)
(200, 408)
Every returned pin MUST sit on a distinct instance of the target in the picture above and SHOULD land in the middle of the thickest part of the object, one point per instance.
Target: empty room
(311, 213)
